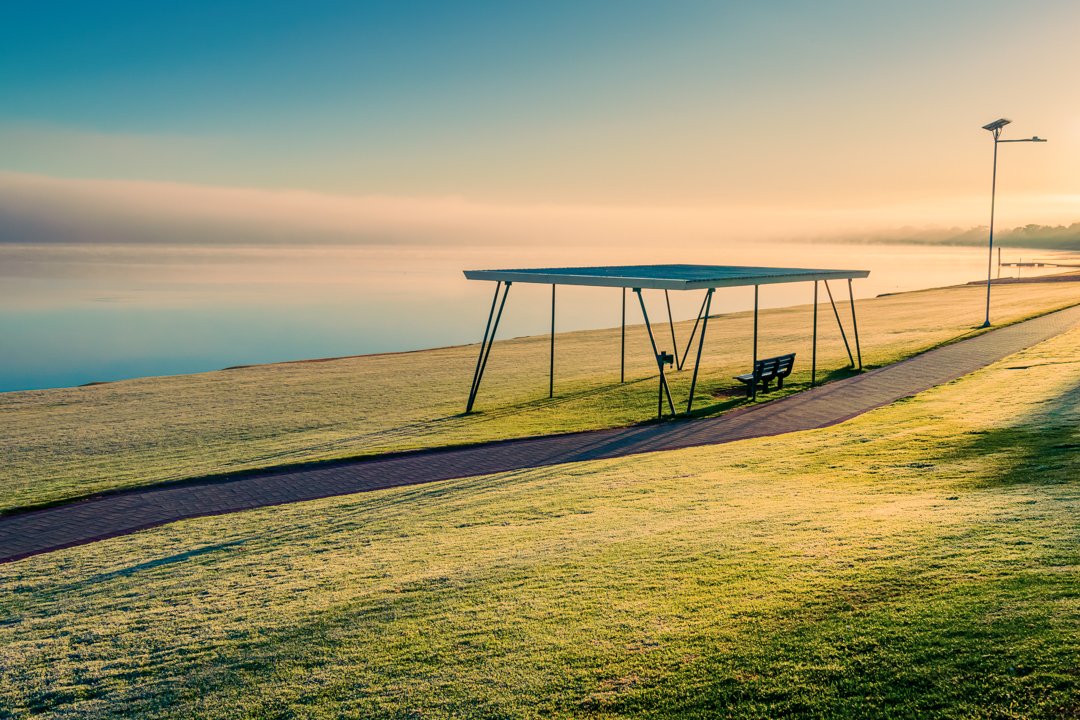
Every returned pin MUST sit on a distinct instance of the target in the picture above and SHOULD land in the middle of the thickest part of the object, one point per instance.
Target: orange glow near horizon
(53, 210)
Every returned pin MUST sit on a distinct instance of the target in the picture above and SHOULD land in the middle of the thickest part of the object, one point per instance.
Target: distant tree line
(1042, 237)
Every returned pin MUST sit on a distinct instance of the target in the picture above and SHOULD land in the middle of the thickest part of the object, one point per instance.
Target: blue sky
(703, 103)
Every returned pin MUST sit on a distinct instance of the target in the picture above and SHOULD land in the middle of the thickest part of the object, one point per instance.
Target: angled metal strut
(487, 342)
(701, 343)
(839, 324)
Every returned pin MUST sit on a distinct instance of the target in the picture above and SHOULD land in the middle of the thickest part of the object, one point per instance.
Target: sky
(413, 121)
(189, 184)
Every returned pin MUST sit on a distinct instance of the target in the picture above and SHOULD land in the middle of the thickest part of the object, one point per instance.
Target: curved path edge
(98, 518)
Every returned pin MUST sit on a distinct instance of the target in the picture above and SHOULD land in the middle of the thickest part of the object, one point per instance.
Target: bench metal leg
(656, 353)
(701, 342)
(839, 324)
(854, 323)
(487, 342)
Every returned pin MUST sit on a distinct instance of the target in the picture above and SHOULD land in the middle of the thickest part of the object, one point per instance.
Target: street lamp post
(995, 128)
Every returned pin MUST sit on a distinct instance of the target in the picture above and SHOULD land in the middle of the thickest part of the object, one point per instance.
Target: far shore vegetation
(1033, 238)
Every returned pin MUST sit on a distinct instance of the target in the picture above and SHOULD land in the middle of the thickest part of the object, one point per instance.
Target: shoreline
(1071, 275)
(1068, 276)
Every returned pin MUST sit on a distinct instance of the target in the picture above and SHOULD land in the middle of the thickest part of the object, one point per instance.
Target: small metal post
(813, 353)
(551, 370)
(671, 323)
(664, 358)
(701, 343)
(656, 354)
(854, 322)
(838, 323)
(485, 352)
(622, 347)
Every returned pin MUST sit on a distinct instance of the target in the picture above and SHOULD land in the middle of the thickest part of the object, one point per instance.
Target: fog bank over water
(45, 210)
(72, 314)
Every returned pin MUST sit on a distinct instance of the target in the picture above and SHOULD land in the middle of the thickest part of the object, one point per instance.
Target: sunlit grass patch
(919, 561)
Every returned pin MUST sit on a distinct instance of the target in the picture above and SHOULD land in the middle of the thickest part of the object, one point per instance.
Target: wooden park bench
(765, 371)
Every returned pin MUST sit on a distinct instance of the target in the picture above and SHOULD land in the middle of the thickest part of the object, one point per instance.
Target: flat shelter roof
(665, 277)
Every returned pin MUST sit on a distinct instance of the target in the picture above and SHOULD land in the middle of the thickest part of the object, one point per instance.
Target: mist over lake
(74, 314)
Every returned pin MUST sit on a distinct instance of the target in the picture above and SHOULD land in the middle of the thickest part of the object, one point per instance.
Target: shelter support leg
(686, 352)
(551, 366)
(753, 365)
(656, 353)
(701, 343)
(671, 324)
(813, 349)
(488, 341)
(839, 324)
(622, 346)
(854, 322)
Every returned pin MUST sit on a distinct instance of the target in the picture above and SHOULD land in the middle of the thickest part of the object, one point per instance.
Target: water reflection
(71, 315)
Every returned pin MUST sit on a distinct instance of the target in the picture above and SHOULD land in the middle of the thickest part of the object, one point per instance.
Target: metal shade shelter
(666, 278)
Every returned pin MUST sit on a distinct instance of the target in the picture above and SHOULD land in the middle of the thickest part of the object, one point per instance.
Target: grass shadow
(1038, 448)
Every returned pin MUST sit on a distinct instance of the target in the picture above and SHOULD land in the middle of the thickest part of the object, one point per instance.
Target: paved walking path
(122, 513)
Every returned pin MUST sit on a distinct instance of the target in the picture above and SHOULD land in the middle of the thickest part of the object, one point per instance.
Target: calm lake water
(71, 315)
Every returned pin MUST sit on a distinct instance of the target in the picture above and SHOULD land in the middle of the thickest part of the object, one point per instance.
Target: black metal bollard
(663, 358)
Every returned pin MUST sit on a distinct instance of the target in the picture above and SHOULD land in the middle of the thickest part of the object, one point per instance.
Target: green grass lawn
(920, 561)
(68, 443)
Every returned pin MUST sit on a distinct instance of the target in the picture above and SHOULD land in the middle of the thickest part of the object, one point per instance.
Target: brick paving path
(85, 521)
